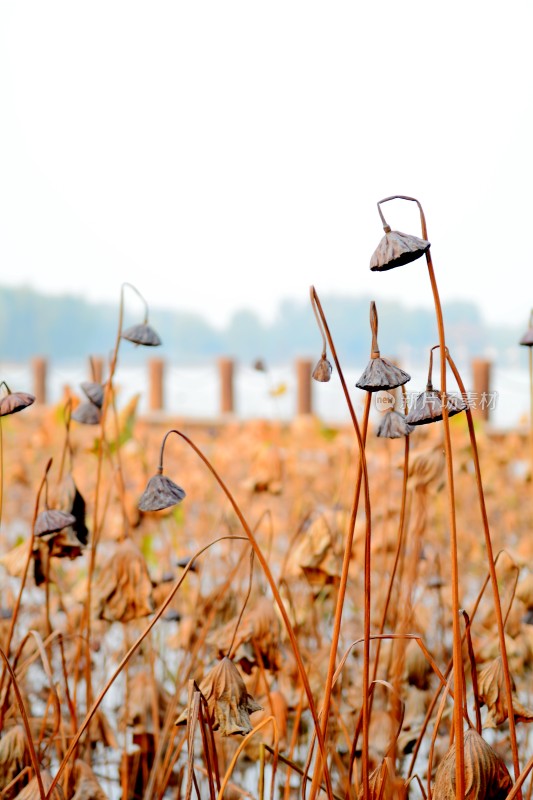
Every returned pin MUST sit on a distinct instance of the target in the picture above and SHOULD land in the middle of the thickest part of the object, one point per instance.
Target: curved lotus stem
(273, 586)
(492, 571)
(318, 320)
(139, 295)
(458, 687)
(362, 475)
(108, 394)
(26, 723)
(18, 601)
(125, 659)
(386, 226)
(67, 446)
(429, 387)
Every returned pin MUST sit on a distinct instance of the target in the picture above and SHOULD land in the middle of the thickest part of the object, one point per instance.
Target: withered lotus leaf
(70, 499)
(86, 786)
(142, 334)
(491, 690)
(322, 371)
(385, 783)
(259, 628)
(396, 249)
(87, 413)
(31, 791)
(393, 426)
(228, 702)
(486, 776)
(428, 407)
(94, 392)
(524, 590)
(427, 467)
(14, 755)
(52, 520)
(160, 493)
(380, 374)
(147, 698)
(124, 590)
(15, 401)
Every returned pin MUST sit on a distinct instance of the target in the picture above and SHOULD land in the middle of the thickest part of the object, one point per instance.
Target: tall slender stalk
(362, 472)
(126, 658)
(272, 583)
(458, 688)
(492, 571)
(97, 524)
(18, 601)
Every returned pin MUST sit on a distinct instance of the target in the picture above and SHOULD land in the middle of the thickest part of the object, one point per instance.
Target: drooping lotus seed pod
(380, 373)
(396, 248)
(87, 413)
(51, 520)
(94, 392)
(12, 402)
(322, 371)
(142, 334)
(527, 338)
(428, 407)
(160, 493)
(393, 426)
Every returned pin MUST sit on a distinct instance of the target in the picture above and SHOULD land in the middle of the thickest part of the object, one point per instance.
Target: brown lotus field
(263, 608)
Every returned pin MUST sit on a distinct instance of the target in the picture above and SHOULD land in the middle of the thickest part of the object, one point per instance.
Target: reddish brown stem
(457, 653)
(273, 586)
(362, 472)
(492, 572)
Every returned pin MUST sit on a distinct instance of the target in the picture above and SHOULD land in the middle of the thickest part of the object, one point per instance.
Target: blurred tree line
(69, 327)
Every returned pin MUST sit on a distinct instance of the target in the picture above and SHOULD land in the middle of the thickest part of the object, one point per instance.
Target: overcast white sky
(226, 154)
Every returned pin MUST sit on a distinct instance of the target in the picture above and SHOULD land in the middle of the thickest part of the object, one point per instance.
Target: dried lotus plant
(486, 776)
(228, 701)
(123, 590)
(491, 692)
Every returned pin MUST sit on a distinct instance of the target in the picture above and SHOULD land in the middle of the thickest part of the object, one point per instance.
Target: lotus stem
(362, 472)
(492, 570)
(125, 659)
(273, 586)
(457, 654)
